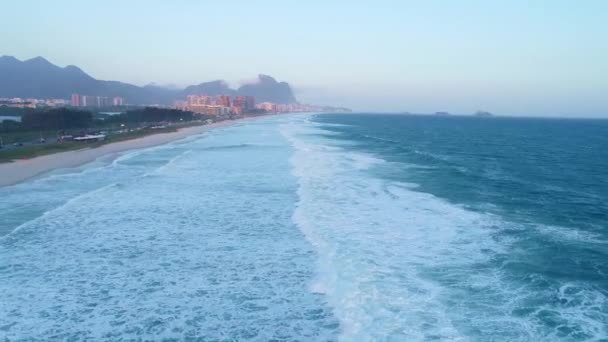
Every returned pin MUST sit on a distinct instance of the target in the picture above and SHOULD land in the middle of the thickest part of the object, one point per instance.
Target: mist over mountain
(39, 78)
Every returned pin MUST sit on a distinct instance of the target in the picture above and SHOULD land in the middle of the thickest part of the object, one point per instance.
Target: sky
(517, 57)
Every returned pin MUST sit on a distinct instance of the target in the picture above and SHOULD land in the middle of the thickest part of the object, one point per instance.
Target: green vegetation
(56, 119)
(51, 124)
(32, 151)
(65, 119)
(151, 114)
(12, 111)
(27, 152)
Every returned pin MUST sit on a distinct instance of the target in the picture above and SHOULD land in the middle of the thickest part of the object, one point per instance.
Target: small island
(483, 114)
(442, 114)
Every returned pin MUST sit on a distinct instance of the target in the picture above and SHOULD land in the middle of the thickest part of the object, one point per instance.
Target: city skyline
(545, 58)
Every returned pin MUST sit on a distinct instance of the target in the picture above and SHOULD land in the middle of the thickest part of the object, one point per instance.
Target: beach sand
(20, 170)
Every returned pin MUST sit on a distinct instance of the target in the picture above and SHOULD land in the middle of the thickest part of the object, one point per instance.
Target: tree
(151, 114)
(10, 126)
(54, 119)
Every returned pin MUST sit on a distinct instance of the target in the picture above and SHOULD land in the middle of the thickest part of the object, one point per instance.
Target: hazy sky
(510, 57)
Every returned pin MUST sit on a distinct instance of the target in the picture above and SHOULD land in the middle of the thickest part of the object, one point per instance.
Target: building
(88, 101)
(103, 101)
(118, 101)
(223, 100)
(268, 106)
(243, 104)
(75, 100)
(220, 105)
(239, 105)
(96, 101)
(192, 100)
(55, 103)
(209, 110)
(19, 103)
(199, 100)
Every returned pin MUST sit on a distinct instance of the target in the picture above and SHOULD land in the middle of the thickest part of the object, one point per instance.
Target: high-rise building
(118, 101)
(103, 101)
(206, 100)
(199, 100)
(75, 100)
(239, 102)
(243, 104)
(209, 110)
(193, 100)
(96, 101)
(222, 100)
(88, 101)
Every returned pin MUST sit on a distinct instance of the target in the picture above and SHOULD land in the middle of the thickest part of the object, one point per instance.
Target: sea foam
(400, 264)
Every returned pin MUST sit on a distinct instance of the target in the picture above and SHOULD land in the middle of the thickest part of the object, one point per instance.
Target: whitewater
(274, 229)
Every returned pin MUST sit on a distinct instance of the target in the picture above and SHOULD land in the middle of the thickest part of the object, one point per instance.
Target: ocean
(319, 227)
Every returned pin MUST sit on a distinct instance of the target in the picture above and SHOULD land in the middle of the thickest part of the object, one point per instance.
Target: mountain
(39, 78)
(264, 89)
(212, 88)
(267, 89)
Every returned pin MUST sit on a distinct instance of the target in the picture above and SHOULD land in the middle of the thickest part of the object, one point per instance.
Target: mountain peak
(38, 60)
(266, 88)
(266, 78)
(74, 69)
(39, 78)
(7, 58)
(217, 87)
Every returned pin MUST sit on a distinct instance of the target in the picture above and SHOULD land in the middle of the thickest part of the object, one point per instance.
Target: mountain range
(39, 78)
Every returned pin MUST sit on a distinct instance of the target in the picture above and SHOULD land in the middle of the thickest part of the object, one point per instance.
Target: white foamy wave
(566, 234)
(399, 264)
(53, 190)
(327, 124)
(32, 223)
(370, 236)
(203, 248)
(172, 162)
(382, 139)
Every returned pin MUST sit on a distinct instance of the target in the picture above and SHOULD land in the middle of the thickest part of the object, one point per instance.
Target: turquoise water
(319, 227)
(14, 118)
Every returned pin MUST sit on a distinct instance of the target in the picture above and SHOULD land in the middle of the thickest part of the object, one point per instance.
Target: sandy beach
(20, 170)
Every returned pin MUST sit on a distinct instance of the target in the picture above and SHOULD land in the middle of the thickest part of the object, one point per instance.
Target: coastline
(24, 169)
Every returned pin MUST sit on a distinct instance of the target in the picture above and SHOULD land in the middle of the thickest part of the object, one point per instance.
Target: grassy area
(26, 152)
(16, 137)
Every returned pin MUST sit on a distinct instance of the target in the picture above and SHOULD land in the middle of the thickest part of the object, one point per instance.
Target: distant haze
(516, 57)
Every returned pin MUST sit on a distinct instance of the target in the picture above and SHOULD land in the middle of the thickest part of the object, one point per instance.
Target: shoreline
(24, 169)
